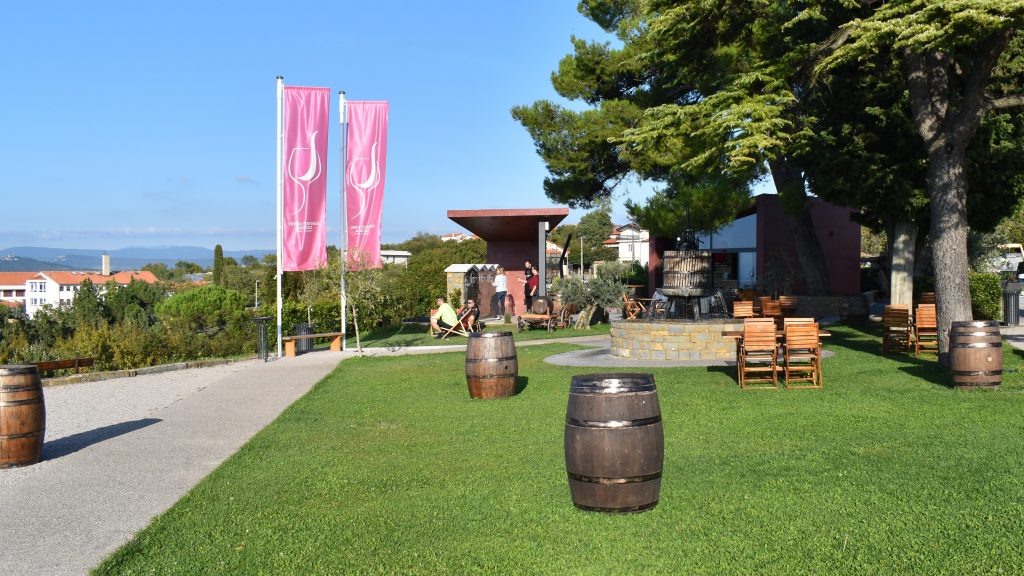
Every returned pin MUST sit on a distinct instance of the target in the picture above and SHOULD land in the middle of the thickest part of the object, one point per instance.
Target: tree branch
(1004, 102)
(974, 100)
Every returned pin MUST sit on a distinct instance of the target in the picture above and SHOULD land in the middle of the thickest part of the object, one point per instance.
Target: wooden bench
(289, 341)
(54, 365)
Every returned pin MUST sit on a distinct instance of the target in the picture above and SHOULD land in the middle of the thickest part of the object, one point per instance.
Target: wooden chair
(802, 355)
(742, 309)
(772, 309)
(927, 298)
(757, 356)
(926, 329)
(788, 305)
(897, 332)
(631, 307)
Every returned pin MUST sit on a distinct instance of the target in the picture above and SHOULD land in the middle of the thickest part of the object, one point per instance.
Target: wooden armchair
(742, 309)
(788, 305)
(897, 332)
(927, 298)
(757, 355)
(926, 328)
(802, 355)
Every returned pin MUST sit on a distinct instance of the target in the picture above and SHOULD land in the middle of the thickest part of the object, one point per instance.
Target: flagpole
(280, 195)
(344, 213)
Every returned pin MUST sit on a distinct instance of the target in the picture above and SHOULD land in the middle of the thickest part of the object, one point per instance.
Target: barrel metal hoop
(502, 359)
(604, 480)
(977, 345)
(5, 388)
(25, 435)
(639, 508)
(977, 372)
(613, 423)
(20, 402)
(611, 389)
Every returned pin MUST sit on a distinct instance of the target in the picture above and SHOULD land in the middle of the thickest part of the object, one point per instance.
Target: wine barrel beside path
(614, 442)
(491, 365)
(22, 416)
(976, 355)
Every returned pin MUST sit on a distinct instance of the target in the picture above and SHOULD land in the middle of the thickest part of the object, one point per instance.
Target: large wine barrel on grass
(22, 416)
(614, 442)
(492, 366)
(976, 354)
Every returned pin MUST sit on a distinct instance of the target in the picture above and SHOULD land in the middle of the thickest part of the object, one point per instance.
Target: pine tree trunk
(947, 187)
(904, 242)
(789, 183)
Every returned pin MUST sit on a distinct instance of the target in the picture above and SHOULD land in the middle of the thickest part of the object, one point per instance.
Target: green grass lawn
(388, 467)
(414, 335)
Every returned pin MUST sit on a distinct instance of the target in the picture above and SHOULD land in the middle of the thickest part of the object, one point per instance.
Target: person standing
(500, 292)
(532, 284)
(528, 269)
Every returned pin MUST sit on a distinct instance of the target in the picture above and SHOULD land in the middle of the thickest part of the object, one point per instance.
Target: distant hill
(35, 258)
(19, 264)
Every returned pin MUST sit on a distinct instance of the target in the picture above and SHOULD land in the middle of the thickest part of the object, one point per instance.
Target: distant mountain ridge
(34, 259)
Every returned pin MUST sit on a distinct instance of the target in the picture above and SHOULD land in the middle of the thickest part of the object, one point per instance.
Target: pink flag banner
(306, 117)
(364, 181)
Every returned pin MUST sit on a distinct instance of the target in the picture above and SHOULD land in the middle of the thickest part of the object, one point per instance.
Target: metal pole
(344, 213)
(280, 199)
(581, 256)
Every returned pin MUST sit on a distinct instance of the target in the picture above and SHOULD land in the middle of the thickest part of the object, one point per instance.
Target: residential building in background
(58, 288)
(632, 243)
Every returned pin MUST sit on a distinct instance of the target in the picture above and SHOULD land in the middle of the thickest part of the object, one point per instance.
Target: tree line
(178, 319)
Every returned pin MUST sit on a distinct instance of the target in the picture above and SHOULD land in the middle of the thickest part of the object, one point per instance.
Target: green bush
(986, 296)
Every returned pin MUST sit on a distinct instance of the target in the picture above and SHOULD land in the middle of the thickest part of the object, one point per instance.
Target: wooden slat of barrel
(614, 442)
(976, 354)
(687, 269)
(492, 365)
(22, 416)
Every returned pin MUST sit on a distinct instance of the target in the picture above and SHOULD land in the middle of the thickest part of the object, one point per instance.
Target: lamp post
(257, 305)
(581, 256)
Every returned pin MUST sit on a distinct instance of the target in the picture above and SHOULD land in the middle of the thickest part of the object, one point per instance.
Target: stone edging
(97, 376)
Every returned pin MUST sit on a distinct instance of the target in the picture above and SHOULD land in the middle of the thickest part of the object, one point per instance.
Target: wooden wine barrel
(491, 365)
(687, 270)
(976, 354)
(22, 415)
(614, 442)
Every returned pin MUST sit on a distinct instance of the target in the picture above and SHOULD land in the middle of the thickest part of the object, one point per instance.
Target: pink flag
(364, 181)
(306, 116)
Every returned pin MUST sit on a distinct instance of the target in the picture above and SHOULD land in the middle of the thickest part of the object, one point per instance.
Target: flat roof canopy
(515, 224)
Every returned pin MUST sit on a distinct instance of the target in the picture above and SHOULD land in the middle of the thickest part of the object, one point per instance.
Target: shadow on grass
(75, 442)
(521, 383)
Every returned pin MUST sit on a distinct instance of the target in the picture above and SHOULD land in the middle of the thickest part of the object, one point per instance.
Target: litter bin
(306, 344)
(261, 336)
(1011, 303)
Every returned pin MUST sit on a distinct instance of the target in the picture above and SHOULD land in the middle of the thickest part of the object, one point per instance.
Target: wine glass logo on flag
(304, 168)
(364, 176)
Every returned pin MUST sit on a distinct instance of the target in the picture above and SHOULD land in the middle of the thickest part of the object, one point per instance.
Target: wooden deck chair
(927, 298)
(631, 307)
(926, 328)
(897, 332)
(742, 309)
(757, 355)
(459, 328)
(772, 309)
(802, 355)
(788, 305)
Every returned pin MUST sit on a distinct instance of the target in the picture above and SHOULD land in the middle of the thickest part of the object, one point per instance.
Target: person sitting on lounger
(444, 318)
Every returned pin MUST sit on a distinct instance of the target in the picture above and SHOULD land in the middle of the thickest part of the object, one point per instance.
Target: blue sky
(153, 123)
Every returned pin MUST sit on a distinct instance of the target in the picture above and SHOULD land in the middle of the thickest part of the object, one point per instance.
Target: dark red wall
(838, 234)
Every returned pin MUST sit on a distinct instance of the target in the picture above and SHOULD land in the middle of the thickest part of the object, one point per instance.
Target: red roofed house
(12, 288)
(58, 288)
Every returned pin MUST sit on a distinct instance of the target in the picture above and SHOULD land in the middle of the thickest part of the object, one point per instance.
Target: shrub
(986, 296)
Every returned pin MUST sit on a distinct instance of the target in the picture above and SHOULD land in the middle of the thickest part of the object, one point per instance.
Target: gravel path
(119, 452)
